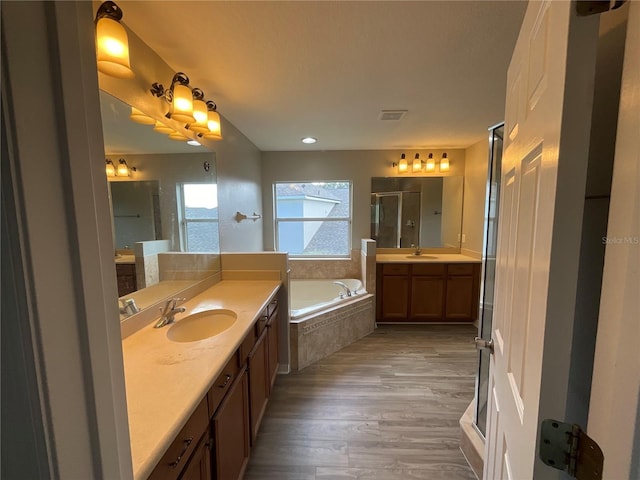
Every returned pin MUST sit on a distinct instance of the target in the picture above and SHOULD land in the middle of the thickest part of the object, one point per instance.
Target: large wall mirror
(168, 204)
(423, 212)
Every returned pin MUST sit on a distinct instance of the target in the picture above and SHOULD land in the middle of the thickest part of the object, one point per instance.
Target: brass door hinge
(566, 447)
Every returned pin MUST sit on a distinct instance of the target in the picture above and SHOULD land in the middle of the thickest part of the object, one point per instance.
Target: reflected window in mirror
(199, 217)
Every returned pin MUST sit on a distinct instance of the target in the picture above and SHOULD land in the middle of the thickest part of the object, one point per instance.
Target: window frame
(277, 221)
(184, 221)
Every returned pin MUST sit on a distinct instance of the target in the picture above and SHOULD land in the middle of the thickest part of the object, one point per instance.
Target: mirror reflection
(164, 210)
(421, 212)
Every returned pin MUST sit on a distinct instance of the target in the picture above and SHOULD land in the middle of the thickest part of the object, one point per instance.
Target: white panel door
(547, 125)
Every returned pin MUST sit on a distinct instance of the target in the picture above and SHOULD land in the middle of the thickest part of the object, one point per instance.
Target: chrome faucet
(417, 251)
(169, 311)
(344, 285)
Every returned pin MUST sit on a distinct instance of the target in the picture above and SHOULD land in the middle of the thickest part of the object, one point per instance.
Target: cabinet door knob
(226, 381)
(185, 447)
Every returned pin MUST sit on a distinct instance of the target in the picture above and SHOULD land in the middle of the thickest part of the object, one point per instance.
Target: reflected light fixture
(139, 117)
(110, 168)
(403, 166)
(430, 166)
(112, 43)
(123, 169)
(177, 136)
(162, 128)
(416, 166)
(213, 122)
(444, 163)
(180, 97)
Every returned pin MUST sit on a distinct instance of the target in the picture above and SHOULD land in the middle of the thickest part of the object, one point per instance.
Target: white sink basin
(422, 257)
(201, 325)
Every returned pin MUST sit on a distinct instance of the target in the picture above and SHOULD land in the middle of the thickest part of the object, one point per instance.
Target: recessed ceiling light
(193, 143)
(309, 140)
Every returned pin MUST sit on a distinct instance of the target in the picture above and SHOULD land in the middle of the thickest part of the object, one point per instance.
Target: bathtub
(311, 296)
(322, 323)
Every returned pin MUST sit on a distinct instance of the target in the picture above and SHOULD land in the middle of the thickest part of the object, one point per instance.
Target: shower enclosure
(488, 272)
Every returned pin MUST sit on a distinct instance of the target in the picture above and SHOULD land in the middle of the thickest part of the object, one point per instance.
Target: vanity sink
(201, 325)
(422, 257)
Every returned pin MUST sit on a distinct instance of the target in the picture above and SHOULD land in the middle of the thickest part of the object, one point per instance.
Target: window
(313, 219)
(199, 222)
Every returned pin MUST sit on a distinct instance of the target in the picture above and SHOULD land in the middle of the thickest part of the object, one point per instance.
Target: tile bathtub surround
(320, 335)
(326, 268)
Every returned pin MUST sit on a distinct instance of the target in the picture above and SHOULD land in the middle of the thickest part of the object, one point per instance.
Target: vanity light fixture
(416, 166)
(112, 43)
(139, 117)
(110, 168)
(179, 96)
(123, 169)
(213, 122)
(430, 166)
(444, 163)
(402, 165)
(200, 113)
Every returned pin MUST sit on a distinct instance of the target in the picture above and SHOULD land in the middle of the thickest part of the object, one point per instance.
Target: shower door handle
(482, 344)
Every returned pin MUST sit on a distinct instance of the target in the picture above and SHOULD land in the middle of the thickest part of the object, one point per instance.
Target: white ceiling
(280, 71)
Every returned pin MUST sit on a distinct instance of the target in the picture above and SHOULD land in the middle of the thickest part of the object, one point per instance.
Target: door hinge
(566, 447)
(584, 8)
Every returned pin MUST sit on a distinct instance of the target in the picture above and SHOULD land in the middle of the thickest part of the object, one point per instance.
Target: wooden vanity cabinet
(184, 446)
(427, 292)
(230, 426)
(126, 276)
(463, 284)
(393, 292)
(273, 341)
(216, 441)
(258, 382)
(199, 466)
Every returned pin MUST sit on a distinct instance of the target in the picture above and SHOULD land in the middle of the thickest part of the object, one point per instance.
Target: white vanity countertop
(425, 258)
(166, 380)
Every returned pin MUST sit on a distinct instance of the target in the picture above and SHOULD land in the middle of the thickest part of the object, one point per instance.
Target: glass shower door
(488, 272)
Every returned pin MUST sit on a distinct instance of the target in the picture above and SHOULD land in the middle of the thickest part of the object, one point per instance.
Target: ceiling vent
(393, 115)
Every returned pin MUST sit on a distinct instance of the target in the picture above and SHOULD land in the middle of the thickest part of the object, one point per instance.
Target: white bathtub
(311, 296)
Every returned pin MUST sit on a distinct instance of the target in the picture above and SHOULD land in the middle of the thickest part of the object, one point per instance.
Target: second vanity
(186, 399)
(427, 288)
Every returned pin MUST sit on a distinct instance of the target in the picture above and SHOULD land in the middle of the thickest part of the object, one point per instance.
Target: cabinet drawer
(176, 456)
(428, 268)
(221, 386)
(460, 269)
(395, 269)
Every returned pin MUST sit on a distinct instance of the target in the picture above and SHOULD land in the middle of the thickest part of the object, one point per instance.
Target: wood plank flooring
(384, 408)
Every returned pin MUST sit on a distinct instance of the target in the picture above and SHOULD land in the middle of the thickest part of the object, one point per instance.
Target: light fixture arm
(159, 91)
(109, 10)
(211, 106)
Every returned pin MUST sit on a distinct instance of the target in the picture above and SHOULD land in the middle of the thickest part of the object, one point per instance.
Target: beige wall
(238, 160)
(475, 186)
(358, 166)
